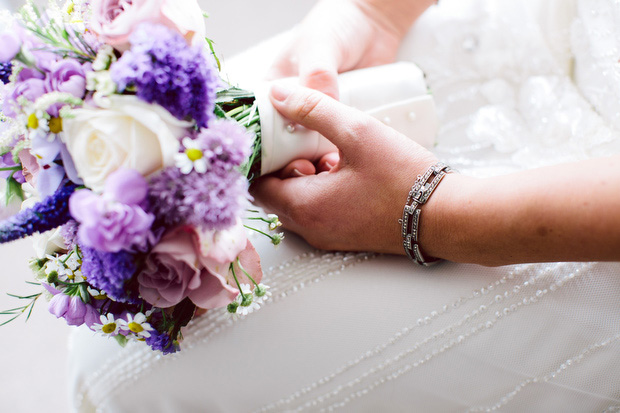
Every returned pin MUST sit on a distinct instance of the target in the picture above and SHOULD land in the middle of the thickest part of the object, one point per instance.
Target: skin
(353, 200)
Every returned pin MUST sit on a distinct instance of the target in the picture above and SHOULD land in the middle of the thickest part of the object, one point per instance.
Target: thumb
(344, 126)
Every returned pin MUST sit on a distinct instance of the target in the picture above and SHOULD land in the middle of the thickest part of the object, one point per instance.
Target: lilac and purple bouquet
(133, 161)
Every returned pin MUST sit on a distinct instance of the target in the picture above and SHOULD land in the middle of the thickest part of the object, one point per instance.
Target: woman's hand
(357, 204)
(338, 36)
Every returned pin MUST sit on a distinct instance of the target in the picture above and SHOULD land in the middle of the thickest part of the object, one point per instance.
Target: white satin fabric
(367, 333)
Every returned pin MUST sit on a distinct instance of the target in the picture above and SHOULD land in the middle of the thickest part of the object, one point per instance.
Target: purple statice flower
(7, 161)
(225, 144)
(115, 220)
(5, 72)
(165, 70)
(211, 200)
(109, 272)
(50, 213)
(162, 342)
(75, 311)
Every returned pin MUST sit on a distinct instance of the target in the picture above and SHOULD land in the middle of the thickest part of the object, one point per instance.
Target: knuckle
(307, 106)
(357, 128)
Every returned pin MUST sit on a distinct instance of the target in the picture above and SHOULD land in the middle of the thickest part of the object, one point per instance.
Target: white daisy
(191, 158)
(52, 265)
(137, 324)
(109, 326)
(37, 123)
(249, 305)
(264, 292)
(96, 294)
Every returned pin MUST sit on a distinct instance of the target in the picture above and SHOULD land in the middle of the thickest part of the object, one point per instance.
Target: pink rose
(176, 268)
(114, 20)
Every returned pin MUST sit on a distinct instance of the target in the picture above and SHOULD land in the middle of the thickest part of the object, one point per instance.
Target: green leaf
(13, 191)
(121, 339)
(182, 314)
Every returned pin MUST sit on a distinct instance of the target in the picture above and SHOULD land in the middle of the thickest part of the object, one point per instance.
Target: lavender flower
(115, 220)
(162, 342)
(109, 272)
(166, 71)
(48, 214)
(225, 144)
(211, 200)
(5, 72)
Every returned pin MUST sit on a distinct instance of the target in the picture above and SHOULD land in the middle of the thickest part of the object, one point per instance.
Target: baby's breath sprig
(62, 39)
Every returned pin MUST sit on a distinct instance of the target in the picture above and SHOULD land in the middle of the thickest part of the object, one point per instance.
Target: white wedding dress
(518, 85)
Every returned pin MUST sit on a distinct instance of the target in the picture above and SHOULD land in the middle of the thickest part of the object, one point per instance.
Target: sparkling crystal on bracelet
(419, 194)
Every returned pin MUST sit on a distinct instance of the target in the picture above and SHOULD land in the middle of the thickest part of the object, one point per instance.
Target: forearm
(397, 15)
(568, 212)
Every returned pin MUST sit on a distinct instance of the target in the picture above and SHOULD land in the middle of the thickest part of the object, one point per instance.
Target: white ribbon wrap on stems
(396, 94)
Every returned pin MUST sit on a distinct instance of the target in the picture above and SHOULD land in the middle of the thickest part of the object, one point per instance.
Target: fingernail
(280, 91)
(329, 165)
(297, 172)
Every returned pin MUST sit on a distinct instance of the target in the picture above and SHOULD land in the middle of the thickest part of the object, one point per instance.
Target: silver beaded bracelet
(419, 194)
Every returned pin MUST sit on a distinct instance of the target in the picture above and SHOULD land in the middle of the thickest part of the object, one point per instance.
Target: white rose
(48, 243)
(129, 133)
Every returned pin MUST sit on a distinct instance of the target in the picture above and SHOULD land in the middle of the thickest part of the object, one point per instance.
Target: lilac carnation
(165, 70)
(115, 220)
(11, 45)
(211, 200)
(5, 72)
(109, 272)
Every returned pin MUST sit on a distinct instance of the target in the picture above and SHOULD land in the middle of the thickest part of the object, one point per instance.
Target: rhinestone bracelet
(419, 194)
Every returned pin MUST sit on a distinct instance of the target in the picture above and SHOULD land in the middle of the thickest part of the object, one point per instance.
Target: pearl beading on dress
(285, 280)
(527, 277)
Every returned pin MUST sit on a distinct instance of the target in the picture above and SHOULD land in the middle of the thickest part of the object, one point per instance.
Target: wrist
(442, 226)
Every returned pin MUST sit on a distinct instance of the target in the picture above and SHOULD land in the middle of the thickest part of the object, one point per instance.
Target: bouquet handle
(396, 94)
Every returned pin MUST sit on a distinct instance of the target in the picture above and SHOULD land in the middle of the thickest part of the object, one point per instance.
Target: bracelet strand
(419, 194)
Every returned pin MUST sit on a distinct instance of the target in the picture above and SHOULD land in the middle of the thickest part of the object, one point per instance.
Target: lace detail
(513, 96)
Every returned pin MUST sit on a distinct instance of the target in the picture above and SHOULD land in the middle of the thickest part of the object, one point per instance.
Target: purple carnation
(211, 200)
(115, 220)
(109, 272)
(165, 70)
(11, 45)
(5, 72)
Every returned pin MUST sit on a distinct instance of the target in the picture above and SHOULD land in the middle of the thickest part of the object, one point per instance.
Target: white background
(33, 355)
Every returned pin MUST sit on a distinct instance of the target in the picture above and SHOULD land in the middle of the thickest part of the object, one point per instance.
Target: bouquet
(132, 158)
